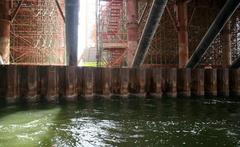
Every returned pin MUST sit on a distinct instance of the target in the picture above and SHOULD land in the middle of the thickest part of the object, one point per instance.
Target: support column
(227, 55)
(132, 29)
(72, 11)
(5, 30)
(182, 19)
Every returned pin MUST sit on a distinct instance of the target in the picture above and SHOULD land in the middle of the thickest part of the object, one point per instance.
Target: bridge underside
(166, 33)
(182, 27)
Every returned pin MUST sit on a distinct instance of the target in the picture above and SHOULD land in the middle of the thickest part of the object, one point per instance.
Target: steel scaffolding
(37, 33)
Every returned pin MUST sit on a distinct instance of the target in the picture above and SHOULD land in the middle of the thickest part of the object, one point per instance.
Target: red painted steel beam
(5, 30)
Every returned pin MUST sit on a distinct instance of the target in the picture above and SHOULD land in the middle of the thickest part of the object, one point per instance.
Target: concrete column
(182, 19)
(227, 54)
(5, 30)
(132, 29)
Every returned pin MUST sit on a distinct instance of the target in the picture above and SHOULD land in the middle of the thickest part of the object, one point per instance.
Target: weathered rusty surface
(115, 81)
(102, 82)
(9, 85)
(132, 29)
(124, 79)
(3, 83)
(28, 84)
(154, 82)
(12, 91)
(88, 82)
(223, 82)
(79, 79)
(137, 85)
(184, 81)
(68, 83)
(182, 19)
(49, 85)
(197, 82)
(234, 82)
(170, 82)
(210, 82)
(227, 53)
(120, 81)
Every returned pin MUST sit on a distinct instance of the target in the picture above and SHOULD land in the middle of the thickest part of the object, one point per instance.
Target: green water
(134, 122)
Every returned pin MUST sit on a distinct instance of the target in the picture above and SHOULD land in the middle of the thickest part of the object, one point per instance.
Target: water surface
(133, 122)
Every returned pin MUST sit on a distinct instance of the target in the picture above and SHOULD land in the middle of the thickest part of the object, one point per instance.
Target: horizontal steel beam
(222, 18)
(149, 31)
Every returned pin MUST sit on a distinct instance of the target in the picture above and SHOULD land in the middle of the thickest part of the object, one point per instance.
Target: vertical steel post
(132, 29)
(72, 14)
(227, 59)
(182, 19)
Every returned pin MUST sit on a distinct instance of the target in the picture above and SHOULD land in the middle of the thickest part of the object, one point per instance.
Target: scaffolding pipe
(222, 18)
(149, 31)
(72, 14)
